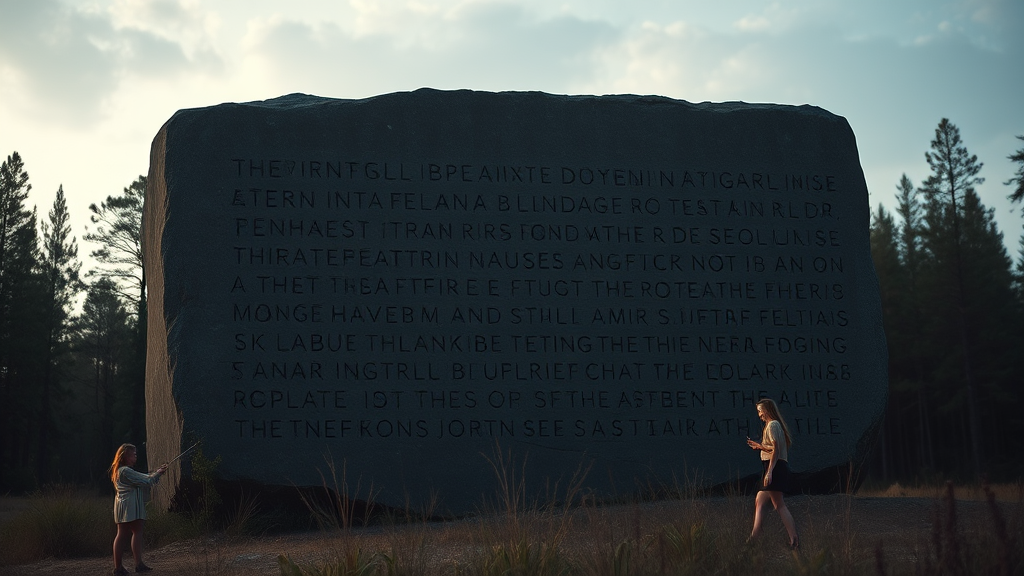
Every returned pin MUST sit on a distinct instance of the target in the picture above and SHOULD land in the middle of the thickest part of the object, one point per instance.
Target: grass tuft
(354, 563)
(59, 522)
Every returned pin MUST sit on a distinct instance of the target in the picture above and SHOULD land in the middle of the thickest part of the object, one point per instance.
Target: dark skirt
(782, 480)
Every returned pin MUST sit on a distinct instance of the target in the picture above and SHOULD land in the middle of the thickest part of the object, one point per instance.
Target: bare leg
(137, 542)
(787, 519)
(120, 543)
(759, 504)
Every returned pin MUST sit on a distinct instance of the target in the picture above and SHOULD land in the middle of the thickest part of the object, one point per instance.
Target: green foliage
(892, 279)
(688, 546)
(1018, 280)
(1017, 157)
(60, 265)
(101, 348)
(63, 379)
(118, 232)
(952, 319)
(954, 169)
(20, 329)
(60, 284)
(622, 558)
(210, 501)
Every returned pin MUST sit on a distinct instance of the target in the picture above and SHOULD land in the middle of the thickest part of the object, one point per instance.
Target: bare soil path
(901, 527)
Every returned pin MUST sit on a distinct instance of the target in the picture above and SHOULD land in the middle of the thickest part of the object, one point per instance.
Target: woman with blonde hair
(130, 505)
(774, 447)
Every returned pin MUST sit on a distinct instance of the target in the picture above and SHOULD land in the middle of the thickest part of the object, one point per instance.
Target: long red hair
(119, 460)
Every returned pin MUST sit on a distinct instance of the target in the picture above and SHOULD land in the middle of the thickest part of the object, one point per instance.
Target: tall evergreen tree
(60, 284)
(103, 337)
(995, 318)
(119, 234)
(911, 325)
(1018, 193)
(885, 254)
(1018, 278)
(1018, 196)
(18, 252)
(989, 336)
(954, 174)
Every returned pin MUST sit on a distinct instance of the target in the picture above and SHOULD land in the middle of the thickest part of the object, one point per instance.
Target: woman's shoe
(143, 568)
(120, 572)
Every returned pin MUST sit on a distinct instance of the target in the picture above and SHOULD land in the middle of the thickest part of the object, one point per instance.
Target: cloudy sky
(86, 84)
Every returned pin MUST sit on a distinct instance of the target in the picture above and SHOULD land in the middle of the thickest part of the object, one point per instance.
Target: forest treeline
(952, 305)
(72, 377)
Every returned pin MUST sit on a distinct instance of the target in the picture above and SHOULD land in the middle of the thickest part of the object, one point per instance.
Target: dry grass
(966, 492)
(843, 535)
(885, 532)
(59, 522)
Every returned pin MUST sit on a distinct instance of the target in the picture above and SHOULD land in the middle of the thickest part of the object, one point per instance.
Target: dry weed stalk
(339, 511)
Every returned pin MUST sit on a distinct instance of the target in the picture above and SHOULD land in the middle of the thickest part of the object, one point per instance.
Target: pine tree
(912, 344)
(995, 318)
(1018, 194)
(103, 336)
(954, 173)
(119, 233)
(1018, 278)
(885, 254)
(18, 252)
(60, 284)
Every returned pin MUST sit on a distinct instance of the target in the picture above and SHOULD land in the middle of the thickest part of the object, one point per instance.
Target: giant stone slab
(412, 283)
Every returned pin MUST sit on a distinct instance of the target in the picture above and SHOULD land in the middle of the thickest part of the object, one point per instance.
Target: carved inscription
(392, 299)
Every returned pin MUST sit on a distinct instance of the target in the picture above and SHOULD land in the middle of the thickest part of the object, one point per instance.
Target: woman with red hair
(130, 505)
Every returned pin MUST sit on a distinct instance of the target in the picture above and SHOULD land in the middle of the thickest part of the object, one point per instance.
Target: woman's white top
(130, 502)
(775, 437)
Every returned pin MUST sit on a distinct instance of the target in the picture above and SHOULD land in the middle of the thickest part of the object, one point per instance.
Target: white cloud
(407, 23)
(481, 45)
(684, 61)
(753, 23)
(893, 94)
(183, 22)
(111, 71)
(61, 64)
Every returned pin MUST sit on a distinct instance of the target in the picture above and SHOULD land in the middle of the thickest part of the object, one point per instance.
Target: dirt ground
(901, 527)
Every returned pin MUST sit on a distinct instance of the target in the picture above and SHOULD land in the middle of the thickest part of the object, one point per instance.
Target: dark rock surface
(418, 286)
